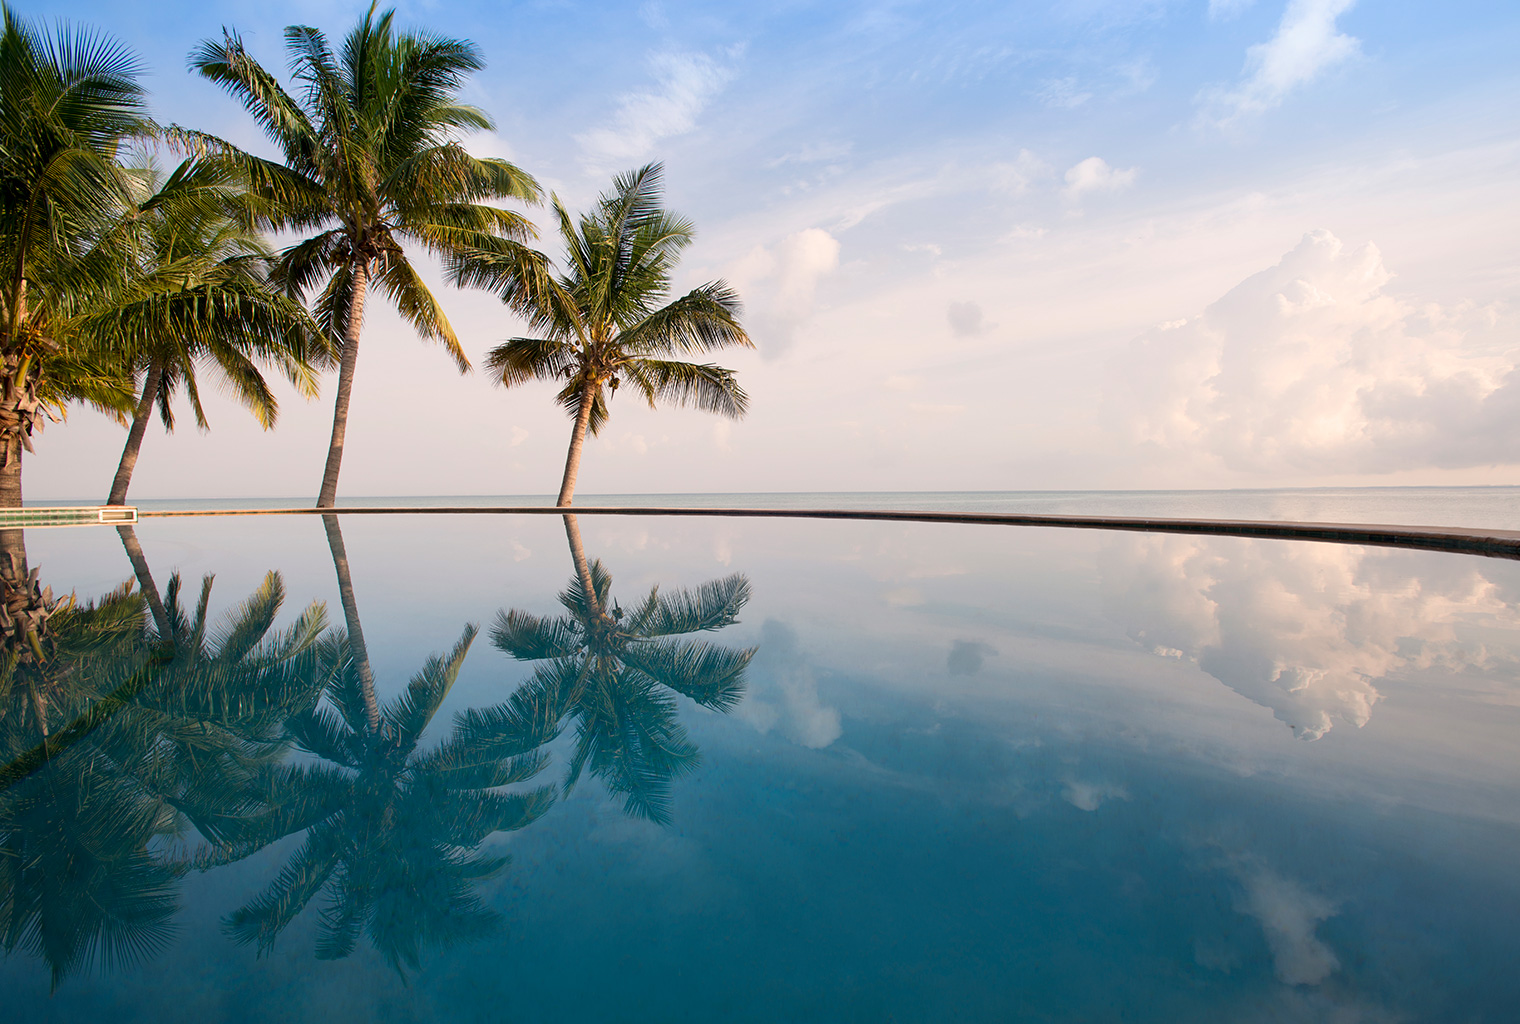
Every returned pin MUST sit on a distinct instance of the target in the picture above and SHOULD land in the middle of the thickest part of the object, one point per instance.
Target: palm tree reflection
(117, 739)
(611, 669)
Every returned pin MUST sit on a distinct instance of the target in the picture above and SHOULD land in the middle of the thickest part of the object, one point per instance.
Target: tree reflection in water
(609, 668)
(141, 741)
(119, 738)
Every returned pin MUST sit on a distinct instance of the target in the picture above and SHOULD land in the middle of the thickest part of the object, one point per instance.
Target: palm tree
(608, 668)
(371, 159)
(199, 295)
(392, 832)
(66, 102)
(598, 325)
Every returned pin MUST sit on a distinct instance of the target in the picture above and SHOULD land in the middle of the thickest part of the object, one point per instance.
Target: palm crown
(371, 160)
(66, 102)
(602, 322)
(199, 295)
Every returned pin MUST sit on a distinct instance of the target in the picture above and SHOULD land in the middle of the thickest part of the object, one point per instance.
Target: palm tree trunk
(578, 556)
(145, 579)
(329, 493)
(140, 419)
(356, 645)
(577, 442)
(10, 473)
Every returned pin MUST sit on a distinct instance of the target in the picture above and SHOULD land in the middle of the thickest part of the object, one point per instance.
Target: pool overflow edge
(1488, 543)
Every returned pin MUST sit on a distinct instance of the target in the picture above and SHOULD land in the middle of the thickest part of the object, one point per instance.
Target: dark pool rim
(1461, 540)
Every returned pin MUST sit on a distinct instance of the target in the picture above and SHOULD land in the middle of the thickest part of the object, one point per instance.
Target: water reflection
(142, 740)
(1305, 630)
(392, 832)
(608, 668)
(118, 740)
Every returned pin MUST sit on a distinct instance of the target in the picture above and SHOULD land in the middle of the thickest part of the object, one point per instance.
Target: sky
(981, 246)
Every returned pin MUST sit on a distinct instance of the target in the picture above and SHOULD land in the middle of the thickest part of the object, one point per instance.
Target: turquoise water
(1491, 507)
(831, 771)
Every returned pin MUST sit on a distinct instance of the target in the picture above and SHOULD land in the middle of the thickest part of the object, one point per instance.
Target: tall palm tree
(599, 324)
(609, 667)
(371, 160)
(67, 101)
(199, 295)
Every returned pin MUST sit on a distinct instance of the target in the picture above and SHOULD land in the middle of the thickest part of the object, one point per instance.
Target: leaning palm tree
(199, 296)
(67, 101)
(609, 668)
(600, 323)
(371, 160)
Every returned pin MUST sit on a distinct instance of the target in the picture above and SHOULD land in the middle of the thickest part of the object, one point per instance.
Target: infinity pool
(650, 769)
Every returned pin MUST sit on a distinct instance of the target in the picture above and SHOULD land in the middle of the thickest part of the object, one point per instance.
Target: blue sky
(982, 246)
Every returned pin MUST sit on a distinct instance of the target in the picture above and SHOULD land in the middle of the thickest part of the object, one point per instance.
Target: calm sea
(1490, 507)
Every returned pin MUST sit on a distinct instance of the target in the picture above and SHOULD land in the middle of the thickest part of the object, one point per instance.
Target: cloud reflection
(1303, 629)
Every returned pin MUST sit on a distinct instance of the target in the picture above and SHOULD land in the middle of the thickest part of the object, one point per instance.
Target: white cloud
(685, 83)
(519, 435)
(1307, 42)
(1095, 175)
(780, 283)
(783, 694)
(1312, 366)
(1015, 176)
(1305, 630)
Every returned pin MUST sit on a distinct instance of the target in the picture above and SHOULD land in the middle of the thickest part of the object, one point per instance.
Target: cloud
(1289, 916)
(779, 284)
(1063, 93)
(967, 656)
(1095, 175)
(966, 320)
(685, 83)
(519, 435)
(1307, 43)
(783, 694)
(1312, 367)
(1305, 630)
(1015, 176)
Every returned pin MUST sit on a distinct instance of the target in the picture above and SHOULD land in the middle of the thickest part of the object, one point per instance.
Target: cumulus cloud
(783, 693)
(1307, 43)
(1312, 366)
(518, 435)
(780, 284)
(1095, 175)
(684, 85)
(1305, 630)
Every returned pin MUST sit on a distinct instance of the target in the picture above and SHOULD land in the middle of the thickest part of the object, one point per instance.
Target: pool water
(650, 769)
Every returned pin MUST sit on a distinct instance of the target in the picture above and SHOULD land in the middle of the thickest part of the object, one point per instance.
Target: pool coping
(1466, 540)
